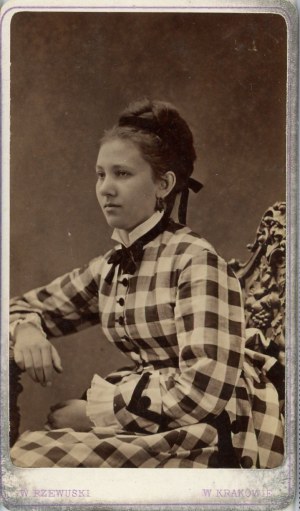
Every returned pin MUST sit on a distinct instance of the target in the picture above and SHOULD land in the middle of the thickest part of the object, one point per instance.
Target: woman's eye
(100, 175)
(122, 173)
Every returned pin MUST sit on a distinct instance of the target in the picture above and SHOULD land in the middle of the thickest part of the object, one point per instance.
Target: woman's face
(126, 189)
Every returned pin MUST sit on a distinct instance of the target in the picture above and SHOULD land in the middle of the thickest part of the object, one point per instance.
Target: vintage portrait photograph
(150, 185)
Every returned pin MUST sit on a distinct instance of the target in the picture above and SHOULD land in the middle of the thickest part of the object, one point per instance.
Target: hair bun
(163, 120)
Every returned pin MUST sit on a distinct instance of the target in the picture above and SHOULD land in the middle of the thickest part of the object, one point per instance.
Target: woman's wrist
(31, 322)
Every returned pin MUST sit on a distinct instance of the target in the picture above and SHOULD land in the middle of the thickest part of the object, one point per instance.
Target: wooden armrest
(15, 389)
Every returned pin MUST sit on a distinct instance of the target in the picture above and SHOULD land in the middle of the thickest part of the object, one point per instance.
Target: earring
(160, 204)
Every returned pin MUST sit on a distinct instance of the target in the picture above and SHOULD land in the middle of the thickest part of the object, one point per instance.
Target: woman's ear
(166, 184)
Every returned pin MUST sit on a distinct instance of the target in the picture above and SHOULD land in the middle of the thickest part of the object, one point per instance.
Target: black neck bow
(128, 257)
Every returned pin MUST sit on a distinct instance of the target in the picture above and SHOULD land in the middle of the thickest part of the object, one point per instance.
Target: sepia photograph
(150, 184)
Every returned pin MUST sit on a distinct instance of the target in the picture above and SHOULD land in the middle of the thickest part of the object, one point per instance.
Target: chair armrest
(15, 389)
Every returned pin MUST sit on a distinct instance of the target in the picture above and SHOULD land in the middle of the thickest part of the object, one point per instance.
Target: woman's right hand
(35, 354)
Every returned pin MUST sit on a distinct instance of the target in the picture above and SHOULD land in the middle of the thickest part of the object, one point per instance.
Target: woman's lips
(111, 207)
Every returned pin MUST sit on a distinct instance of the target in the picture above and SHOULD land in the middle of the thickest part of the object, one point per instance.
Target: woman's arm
(66, 305)
(210, 330)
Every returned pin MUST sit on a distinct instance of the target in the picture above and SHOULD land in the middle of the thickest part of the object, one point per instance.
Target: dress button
(121, 320)
(246, 462)
(121, 301)
(145, 402)
(125, 338)
(124, 282)
(235, 427)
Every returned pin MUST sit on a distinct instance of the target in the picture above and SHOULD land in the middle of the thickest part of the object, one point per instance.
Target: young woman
(195, 397)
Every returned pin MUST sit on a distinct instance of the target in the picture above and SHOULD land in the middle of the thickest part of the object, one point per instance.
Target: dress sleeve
(210, 330)
(67, 305)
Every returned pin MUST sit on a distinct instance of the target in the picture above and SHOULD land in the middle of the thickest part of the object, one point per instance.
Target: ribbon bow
(127, 258)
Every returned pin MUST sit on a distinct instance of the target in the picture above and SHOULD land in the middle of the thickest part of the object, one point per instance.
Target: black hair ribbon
(193, 185)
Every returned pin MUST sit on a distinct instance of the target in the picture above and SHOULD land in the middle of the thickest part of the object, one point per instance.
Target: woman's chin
(116, 223)
(119, 222)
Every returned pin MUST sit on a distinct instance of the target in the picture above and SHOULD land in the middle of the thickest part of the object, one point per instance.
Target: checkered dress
(196, 397)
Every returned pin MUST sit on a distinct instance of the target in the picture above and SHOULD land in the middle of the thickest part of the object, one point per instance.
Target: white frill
(100, 403)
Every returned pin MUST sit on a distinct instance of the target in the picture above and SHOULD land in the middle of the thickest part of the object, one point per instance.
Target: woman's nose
(106, 187)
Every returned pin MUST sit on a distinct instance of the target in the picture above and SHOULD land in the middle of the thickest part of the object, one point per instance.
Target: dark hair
(164, 138)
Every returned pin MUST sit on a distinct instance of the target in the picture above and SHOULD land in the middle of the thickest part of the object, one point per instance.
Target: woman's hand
(69, 414)
(35, 354)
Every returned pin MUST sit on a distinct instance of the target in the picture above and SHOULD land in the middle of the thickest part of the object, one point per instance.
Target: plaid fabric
(67, 448)
(180, 319)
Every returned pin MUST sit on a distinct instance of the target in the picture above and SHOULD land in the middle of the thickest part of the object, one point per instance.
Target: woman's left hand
(69, 414)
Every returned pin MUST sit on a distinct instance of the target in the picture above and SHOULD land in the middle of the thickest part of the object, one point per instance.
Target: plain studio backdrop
(71, 74)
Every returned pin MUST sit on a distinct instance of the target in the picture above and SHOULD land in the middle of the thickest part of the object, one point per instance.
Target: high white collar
(127, 238)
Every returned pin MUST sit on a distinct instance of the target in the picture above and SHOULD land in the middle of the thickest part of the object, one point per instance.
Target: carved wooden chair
(262, 280)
